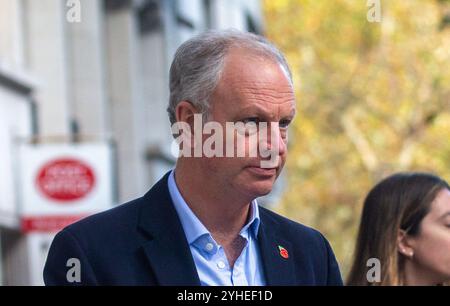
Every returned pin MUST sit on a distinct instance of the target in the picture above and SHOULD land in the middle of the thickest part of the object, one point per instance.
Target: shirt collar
(193, 227)
(252, 225)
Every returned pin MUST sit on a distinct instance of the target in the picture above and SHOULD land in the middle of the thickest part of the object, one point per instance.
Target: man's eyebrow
(256, 110)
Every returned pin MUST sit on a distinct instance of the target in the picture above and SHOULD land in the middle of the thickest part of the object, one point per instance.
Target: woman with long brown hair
(405, 224)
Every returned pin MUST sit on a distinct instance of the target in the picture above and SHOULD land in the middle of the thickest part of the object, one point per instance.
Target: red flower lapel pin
(283, 252)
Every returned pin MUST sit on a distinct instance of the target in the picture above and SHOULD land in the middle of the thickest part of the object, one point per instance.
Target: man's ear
(405, 244)
(185, 112)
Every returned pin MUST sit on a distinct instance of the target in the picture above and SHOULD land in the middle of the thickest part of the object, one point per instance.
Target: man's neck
(221, 212)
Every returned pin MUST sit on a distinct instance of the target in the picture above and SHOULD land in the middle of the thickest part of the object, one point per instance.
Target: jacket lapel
(279, 271)
(166, 249)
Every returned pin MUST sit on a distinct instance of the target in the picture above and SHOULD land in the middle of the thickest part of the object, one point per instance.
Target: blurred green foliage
(372, 99)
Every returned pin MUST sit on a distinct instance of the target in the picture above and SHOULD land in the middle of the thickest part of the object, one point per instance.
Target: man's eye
(284, 123)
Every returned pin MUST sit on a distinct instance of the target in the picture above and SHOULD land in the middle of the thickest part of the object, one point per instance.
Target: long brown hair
(398, 202)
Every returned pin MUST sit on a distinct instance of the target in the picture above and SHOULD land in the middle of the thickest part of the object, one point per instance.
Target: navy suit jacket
(143, 243)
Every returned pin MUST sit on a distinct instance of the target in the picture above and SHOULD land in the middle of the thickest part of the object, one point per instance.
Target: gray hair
(198, 63)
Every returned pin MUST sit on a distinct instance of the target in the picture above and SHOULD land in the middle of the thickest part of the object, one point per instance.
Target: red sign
(65, 179)
(48, 223)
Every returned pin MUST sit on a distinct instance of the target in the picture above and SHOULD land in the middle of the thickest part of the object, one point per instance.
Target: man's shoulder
(117, 219)
(123, 218)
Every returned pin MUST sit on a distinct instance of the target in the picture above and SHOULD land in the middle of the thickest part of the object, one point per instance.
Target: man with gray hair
(201, 223)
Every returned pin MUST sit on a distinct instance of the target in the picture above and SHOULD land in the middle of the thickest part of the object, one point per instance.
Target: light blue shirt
(209, 257)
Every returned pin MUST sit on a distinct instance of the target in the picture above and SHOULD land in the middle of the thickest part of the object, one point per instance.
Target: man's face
(256, 90)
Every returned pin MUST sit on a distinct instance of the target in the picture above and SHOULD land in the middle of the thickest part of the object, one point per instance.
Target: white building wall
(15, 124)
(46, 29)
(126, 101)
(11, 27)
(16, 85)
(87, 72)
(234, 13)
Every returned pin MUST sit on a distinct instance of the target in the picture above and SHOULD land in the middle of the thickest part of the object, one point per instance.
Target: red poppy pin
(283, 252)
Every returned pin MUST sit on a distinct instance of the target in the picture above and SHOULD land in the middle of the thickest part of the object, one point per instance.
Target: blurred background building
(90, 72)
